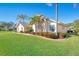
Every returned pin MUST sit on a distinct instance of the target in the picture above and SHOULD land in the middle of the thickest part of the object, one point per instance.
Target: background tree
(6, 25)
(10, 25)
(76, 25)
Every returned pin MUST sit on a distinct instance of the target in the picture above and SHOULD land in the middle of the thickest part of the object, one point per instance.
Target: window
(52, 28)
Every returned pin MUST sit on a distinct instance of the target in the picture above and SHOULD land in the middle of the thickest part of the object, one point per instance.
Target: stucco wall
(33, 27)
(20, 28)
(61, 28)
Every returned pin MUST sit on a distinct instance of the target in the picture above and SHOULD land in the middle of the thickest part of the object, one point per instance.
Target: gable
(20, 26)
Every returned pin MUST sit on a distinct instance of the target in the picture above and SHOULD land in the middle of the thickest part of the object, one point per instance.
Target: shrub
(54, 36)
(40, 33)
(62, 35)
(21, 31)
(43, 34)
(49, 35)
(33, 33)
(29, 29)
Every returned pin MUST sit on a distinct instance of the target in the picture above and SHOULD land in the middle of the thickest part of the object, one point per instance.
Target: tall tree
(21, 17)
(35, 19)
(39, 20)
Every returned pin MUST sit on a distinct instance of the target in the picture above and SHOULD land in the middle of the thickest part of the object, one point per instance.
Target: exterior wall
(20, 28)
(54, 24)
(61, 28)
(44, 27)
(36, 29)
(33, 27)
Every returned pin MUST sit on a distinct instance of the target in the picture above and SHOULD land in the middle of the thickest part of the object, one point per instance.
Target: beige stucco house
(49, 26)
(44, 26)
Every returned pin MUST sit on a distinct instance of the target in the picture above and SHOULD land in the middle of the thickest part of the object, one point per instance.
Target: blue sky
(9, 11)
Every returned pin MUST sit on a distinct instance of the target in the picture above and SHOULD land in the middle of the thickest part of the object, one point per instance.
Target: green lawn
(12, 44)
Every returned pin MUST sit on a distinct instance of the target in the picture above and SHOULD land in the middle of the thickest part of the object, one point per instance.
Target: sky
(67, 13)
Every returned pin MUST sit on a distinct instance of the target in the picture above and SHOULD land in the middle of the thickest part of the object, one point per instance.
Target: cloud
(49, 4)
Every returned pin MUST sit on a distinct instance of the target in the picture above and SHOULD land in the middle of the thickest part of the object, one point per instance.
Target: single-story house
(20, 27)
(44, 25)
(52, 26)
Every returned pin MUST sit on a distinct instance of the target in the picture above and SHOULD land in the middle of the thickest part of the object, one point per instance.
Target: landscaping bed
(52, 35)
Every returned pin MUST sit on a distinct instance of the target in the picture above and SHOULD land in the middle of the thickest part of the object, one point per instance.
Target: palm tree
(35, 19)
(38, 20)
(47, 21)
(21, 17)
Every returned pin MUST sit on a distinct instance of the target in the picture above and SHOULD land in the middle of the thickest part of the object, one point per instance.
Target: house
(43, 25)
(23, 27)
(20, 27)
(50, 25)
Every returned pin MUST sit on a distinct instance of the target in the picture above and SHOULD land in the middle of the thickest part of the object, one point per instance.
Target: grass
(12, 44)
